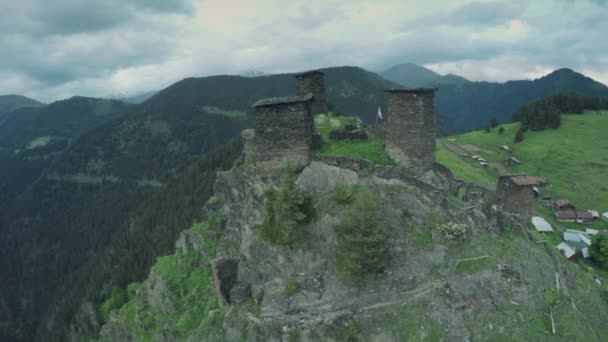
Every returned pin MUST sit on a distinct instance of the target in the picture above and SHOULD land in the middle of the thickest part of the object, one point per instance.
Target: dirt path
(349, 307)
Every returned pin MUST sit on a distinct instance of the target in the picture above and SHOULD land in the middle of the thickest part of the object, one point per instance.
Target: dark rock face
(283, 133)
(313, 82)
(225, 277)
(240, 292)
(411, 129)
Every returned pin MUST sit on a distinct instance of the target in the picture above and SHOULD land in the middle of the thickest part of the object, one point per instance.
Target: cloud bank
(56, 49)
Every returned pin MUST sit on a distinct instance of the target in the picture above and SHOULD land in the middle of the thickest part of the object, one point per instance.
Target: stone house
(516, 192)
(574, 216)
(564, 204)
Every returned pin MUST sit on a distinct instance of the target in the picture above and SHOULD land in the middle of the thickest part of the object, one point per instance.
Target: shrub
(452, 231)
(117, 298)
(343, 194)
(519, 136)
(501, 130)
(599, 249)
(362, 250)
(285, 210)
(291, 288)
(552, 296)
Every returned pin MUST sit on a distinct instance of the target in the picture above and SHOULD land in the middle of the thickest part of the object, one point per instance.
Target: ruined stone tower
(411, 129)
(312, 82)
(516, 192)
(283, 132)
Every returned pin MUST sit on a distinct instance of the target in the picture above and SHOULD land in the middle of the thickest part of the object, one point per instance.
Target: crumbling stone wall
(313, 82)
(411, 129)
(283, 132)
(516, 198)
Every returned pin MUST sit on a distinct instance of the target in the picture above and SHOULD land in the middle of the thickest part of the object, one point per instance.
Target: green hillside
(573, 158)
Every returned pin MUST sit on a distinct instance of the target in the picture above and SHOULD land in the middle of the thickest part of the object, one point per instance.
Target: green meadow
(574, 158)
(371, 148)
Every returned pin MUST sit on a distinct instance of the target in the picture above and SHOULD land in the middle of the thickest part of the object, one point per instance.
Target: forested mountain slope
(472, 105)
(68, 221)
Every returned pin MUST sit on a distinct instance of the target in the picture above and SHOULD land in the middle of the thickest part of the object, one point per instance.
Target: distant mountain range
(464, 105)
(9, 103)
(135, 99)
(413, 75)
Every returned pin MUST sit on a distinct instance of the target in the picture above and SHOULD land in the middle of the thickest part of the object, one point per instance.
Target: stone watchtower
(312, 82)
(283, 132)
(411, 129)
(516, 192)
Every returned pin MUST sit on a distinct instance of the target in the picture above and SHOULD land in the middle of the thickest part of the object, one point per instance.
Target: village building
(568, 251)
(564, 204)
(516, 192)
(605, 216)
(511, 161)
(595, 214)
(283, 132)
(574, 216)
(590, 231)
(410, 128)
(541, 224)
(577, 236)
(313, 82)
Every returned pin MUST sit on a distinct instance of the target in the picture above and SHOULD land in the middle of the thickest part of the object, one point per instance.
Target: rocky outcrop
(488, 285)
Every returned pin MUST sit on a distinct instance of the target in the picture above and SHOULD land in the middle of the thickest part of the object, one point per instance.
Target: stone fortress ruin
(284, 127)
(284, 135)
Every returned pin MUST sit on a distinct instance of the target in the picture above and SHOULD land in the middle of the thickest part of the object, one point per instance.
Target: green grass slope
(573, 158)
(371, 148)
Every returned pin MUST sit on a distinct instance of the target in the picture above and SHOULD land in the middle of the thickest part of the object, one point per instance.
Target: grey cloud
(43, 18)
(53, 42)
(475, 14)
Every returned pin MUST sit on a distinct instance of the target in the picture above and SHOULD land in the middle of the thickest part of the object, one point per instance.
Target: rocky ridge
(492, 283)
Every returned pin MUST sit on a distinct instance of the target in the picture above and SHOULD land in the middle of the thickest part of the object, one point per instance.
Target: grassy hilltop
(573, 158)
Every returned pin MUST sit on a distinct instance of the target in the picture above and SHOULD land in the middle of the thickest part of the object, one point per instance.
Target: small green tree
(362, 251)
(519, 136)
(285, 210)
(599, 249)
(501, 130)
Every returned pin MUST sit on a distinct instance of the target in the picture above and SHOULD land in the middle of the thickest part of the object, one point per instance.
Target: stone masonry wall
(516, 198)
(283, 136)
(411, 129)
(313, 83)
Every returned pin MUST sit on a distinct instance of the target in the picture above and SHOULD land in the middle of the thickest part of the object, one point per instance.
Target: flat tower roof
(273, 101)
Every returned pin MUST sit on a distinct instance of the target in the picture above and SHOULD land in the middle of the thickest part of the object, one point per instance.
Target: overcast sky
(53, 49)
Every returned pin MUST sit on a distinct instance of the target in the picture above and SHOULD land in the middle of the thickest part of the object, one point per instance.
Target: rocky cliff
(451, 269)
